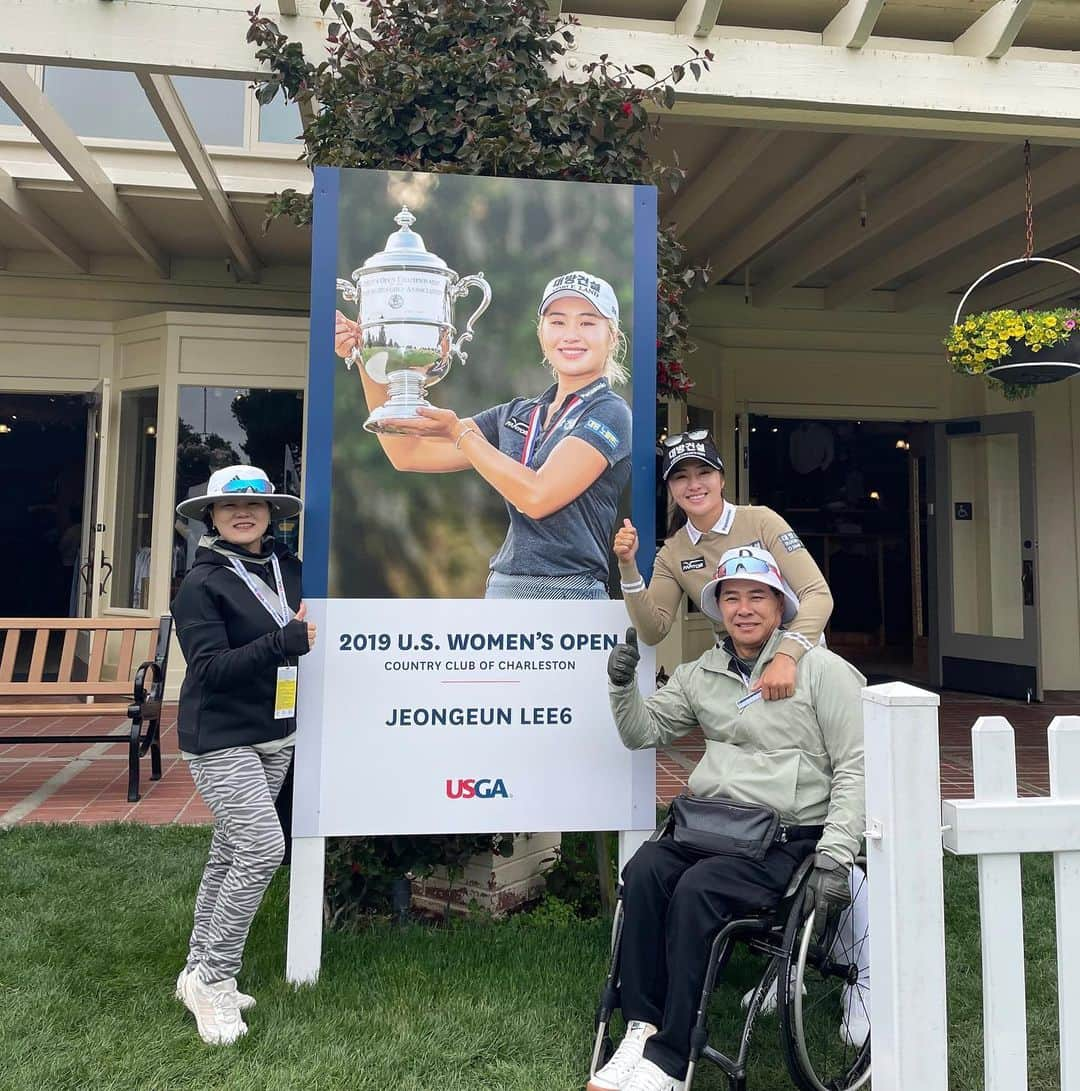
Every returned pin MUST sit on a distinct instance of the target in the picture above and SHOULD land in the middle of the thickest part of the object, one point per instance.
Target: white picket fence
(908, 825)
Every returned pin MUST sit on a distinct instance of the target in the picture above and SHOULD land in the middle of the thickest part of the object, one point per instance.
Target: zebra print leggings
(239, 786)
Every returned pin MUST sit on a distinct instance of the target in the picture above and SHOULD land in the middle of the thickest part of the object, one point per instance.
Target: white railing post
(1001, 916)
(1063, 737)
(907, 914)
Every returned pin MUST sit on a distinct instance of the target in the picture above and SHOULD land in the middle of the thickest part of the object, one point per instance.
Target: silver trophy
(405, 299)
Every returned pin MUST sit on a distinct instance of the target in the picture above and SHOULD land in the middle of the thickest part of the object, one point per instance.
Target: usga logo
(480, 789)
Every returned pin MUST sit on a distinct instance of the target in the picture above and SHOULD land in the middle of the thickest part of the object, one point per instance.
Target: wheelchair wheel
(818, 989)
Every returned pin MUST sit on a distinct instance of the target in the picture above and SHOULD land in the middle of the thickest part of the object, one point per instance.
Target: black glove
(623, 661)
(829, 886)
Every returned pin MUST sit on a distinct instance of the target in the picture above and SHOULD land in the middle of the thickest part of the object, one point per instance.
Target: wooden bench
(66, 670)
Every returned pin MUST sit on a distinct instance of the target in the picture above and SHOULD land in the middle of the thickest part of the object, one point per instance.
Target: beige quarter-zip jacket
(684, 567)
(802, 756)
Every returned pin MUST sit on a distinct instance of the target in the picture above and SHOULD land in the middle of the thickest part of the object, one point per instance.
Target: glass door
(94, 566)
(987, 557)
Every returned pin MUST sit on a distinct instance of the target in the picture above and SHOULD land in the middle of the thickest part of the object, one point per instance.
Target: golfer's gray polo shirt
(577, 538)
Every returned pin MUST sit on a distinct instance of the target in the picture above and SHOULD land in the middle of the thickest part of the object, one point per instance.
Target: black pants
(675, 900)
(283, 806)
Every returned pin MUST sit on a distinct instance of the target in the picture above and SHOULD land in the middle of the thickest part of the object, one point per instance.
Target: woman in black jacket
(241, 625)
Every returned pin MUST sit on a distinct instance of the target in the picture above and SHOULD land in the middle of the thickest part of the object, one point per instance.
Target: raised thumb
(301, 613)
(631, 637)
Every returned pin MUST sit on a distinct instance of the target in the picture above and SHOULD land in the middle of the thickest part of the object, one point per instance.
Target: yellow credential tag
(285, 693)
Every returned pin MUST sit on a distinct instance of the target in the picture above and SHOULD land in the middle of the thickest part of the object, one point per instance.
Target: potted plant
(1016, 350)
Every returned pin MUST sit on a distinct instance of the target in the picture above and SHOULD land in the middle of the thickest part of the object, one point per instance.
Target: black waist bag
(724, 826)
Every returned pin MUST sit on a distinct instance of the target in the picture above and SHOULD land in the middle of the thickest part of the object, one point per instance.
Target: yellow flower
(1051, 321)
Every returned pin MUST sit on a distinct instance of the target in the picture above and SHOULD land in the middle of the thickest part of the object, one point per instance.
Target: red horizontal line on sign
(480, 681)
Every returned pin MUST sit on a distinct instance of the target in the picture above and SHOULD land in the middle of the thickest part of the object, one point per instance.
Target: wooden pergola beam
(174, 119)
(1006, 242)
(1055, 176)
(35, 111)
(853, 24)
(901, 201)
(697, 17)
(993, 33)
(737, 155)
(832, 173)
(46, 230)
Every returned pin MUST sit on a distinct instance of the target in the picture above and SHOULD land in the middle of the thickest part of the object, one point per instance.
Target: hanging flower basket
(1016, 350)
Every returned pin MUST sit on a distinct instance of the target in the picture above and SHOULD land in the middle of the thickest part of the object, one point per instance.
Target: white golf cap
(748, 563)
(239, 482)
(585, 286)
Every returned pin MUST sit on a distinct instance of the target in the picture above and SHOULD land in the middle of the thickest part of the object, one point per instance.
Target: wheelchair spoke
(823, 1004)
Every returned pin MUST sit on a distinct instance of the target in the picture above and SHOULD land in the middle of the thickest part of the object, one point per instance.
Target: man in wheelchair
(799, 760)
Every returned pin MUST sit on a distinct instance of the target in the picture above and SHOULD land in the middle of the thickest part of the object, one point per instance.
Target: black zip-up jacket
(233, 648)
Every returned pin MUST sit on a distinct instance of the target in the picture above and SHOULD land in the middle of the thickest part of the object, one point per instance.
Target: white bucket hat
(748, 563)
(585, 286)
(232, 482)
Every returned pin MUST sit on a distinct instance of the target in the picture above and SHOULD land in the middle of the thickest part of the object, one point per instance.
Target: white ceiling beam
(905, 199)
(765, 80)
(1058, 174)
(697, 17)
(287, 7)
(972, 261)
(712, 180)
(993, 33)
(853, 24)
(174, 119)
(35, 111)
(46, 230)
(798, 201)
(179, 37)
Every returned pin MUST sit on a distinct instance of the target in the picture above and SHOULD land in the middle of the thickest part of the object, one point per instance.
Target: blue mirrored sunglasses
(248, 484)
(730, 569)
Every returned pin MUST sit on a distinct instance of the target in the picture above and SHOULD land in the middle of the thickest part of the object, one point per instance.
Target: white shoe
(215, 1010)
(768, 1003)
(855, 1024)
(613, 1076)
(650, 1077)
(244, 1001)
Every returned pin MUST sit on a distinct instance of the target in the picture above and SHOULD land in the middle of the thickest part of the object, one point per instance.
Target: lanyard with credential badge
(533, 432)
(285, 687)
(279, 613)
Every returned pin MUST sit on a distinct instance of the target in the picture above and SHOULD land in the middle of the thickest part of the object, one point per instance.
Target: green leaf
(646, 70)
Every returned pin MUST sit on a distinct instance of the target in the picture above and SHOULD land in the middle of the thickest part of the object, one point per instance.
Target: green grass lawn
(94, 930)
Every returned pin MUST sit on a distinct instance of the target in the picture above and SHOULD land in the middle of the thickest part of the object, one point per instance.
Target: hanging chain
(1027, 201)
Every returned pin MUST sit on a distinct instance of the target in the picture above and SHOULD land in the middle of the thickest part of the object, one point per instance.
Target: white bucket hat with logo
(748, 563)
(240, 482)
(585, 286)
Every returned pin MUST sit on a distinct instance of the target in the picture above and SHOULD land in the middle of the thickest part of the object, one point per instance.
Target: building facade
(852, 168)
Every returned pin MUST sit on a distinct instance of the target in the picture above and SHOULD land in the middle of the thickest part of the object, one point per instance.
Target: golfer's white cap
(585, 286)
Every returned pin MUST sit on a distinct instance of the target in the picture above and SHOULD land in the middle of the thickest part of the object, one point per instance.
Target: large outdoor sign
(469, 456)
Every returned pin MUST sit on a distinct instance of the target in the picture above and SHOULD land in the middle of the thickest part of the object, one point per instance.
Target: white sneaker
(650, 1077)
(768, 1003)
(244, 1001)
(215, 1010)
(855, 1023)
(613, 1076)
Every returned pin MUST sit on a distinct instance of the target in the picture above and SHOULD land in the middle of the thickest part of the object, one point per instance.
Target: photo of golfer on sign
(556, 461)
(560, 460)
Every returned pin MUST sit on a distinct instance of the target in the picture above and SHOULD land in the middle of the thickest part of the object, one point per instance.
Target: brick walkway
(72, 783)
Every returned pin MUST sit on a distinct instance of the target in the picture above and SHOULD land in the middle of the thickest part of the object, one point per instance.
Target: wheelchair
(808, 967)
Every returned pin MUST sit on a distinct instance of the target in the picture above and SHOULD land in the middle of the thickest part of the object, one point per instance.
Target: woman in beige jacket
(704, 526)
